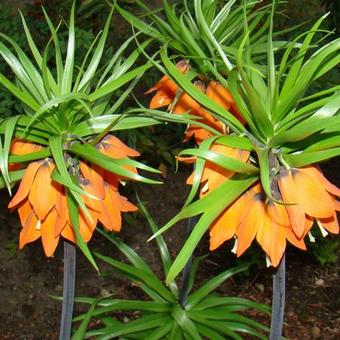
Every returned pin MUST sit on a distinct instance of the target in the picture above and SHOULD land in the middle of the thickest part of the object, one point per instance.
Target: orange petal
(95, 176)
(125, 205)
(219, 94)
(68, 233)
(331, 223)
(43, 203)
(252, 221)
(25, 184)
(186, 104)
(22, 147)
(115, 148)
(30, 232)
(164, 95)
(87, 227)
(271, 233)
(318, 176)
(224, 227)
(110, 215)
(290, 196)
(315, 199)
(25, 209)
(62, 211)
(48, 238)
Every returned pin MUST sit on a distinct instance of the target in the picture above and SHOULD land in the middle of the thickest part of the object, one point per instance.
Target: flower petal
(30, 232)
(48, 238)
(43, 193)
(290, 196)
(25, 184)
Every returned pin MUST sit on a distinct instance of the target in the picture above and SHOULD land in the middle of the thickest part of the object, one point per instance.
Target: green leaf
(213, 283)
(115, 84)
(234, 141)
(97, 55)
(143, 275)
(188, 327)
(80, 333)
(198, 95)
(14, 176)
(232, 303)
(162, 331)
(4, 154)
(139, 325)
(110, 305)
(163, 249)
(23, 96)
(211, 206)
(209, 333)
(91, 154)
(66, 83)
(220, 327)
(305, 158)
(74, 215)
(223, 161)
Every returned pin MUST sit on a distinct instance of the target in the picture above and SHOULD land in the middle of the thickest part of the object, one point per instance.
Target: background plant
(203, 313)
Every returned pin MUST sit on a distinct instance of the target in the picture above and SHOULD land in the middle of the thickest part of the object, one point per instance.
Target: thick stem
(278, 303)
(68, 290)
(183, 294)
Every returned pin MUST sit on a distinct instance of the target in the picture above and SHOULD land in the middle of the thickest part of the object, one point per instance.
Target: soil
(28, 279)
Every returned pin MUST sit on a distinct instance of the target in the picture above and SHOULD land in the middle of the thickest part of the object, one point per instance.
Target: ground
(28, 279)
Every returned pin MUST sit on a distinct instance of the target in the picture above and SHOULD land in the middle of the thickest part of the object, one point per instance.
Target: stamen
(38, 225)
(322, 229)
(234, 247)
(205, 187)
(268, 262)
(311, 237)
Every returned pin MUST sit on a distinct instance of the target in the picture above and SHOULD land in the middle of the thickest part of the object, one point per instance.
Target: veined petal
(115, 147)
(219, 94)
(48, 238)
(330, 223)
(271, 233)
(25, 184)
(318, 177)
(290, 196)
(110, 215)
(23, 147)
(95, 176)
(43, 203)
(30, 231)
(251, 223)
(315, 199)
(62, 211)
(68, 233)
(24, 210)
(125, 205)
(224, 227)
(86, 227)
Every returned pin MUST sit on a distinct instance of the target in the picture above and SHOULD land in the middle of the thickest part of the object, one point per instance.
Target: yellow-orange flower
(166, 91)
(21, 147)
(252, 216)
(214, 175)
(308, 193)
(166, 88)
(46, 215)
(307, 197)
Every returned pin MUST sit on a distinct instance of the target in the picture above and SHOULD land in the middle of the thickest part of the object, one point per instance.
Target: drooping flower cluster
(169, 94)
(303, 196)
(42, 202)
(307, 197)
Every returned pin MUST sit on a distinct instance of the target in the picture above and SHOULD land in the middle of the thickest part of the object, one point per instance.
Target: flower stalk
(278, 301)
(68, 290)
